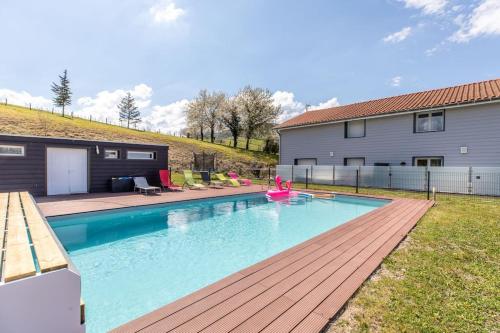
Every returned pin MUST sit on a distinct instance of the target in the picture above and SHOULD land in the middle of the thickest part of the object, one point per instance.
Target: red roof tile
(463, 94)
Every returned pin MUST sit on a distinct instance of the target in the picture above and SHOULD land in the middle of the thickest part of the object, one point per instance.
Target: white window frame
(152, 155)
(428, 159)
(346, 160)
(430, 115)
(347, 123)
(23, 150)
(117, 151)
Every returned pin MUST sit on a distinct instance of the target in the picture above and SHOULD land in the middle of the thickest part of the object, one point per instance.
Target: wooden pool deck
(298, 290)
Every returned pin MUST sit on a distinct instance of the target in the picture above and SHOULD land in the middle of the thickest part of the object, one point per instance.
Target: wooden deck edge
(28, 241)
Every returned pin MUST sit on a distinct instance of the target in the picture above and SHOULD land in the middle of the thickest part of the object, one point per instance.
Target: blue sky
(306, 52)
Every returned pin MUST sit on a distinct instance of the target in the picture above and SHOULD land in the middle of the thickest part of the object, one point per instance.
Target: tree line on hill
(129, 112)
(251, 113)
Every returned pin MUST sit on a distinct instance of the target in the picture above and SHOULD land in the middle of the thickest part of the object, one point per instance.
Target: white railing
(462, 180)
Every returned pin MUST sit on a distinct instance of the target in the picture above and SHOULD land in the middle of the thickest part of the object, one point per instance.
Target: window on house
(11, 150)
(141, 155)
(355, 129)
(305, 161)
(354, 161)
(429, 121)
(436, 161)
(111, 154)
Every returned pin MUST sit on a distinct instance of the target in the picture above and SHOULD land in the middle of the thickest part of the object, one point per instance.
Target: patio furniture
(228, 181)
(243, 181)
(141, 184)
(190, 183)
(205, 176)
(167, 183)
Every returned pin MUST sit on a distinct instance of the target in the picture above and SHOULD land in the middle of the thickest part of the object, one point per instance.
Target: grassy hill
(23, 121)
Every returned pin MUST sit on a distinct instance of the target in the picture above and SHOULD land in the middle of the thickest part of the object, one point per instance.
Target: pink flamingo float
(281, 192)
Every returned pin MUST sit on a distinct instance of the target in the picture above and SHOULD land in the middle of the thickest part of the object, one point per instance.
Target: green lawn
(445, 277)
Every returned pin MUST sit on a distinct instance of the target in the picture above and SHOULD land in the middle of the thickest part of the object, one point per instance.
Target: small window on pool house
(141, 155)
(12, 150)
(111, 154)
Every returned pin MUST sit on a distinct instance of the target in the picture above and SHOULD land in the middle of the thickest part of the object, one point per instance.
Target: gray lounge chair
(141, 184)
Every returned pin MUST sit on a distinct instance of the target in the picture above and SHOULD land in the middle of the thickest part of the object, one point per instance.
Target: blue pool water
(135, 260)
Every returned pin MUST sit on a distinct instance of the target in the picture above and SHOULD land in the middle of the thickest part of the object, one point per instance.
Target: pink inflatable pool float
(280, 192)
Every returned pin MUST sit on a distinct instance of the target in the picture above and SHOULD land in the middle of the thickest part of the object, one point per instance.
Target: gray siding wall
(28, 173)
(391, 140)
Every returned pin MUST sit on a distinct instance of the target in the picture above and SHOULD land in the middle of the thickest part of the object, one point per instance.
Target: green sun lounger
(190, 183)
(228, 181)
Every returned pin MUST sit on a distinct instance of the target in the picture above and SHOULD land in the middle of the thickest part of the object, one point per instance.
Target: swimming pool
(135, 260)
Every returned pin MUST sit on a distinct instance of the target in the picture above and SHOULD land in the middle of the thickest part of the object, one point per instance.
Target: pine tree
(62, 91)
(128, 110)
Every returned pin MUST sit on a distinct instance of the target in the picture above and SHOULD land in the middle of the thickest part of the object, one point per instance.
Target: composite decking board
(308, 300)
(170, 318)
(357, 270)
(258, 313)
(335, 301)
(48, 254)
(18, 258)
(239, 289)
(286, 279)
(271, 265)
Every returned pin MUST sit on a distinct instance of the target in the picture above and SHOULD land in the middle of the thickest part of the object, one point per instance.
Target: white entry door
(66, 171)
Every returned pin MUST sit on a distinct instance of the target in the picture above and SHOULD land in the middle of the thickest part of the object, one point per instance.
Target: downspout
(279, 138)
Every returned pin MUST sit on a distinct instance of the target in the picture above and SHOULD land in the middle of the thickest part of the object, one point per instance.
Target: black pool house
(51, 166)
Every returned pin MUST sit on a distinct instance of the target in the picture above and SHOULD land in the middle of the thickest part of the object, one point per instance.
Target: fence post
(312, 175)
(390, 177)
(269, 177)
(307, 177)
(469, 185)
(428, 184)
(333, 175)
(357, 180)
(292, 173)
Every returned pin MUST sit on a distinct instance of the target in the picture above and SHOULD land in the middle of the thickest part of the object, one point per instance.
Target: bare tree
(258, 111)
(196, 114)
(214, 104)
(204, 113)
(231, 119)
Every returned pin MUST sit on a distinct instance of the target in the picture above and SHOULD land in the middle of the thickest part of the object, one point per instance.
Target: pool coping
(213, 307)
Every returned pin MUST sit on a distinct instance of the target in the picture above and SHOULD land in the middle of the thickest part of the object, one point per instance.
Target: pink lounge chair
(243, 181)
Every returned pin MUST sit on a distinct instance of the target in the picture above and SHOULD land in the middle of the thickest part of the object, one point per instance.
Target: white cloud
(398, 36)
(428, 7)
(484, 20)
(289, 106)
(332, 102)
(292, 108)
(396, 81)
(104, 105)
(24, 98)
(168, 118)
(165, 12)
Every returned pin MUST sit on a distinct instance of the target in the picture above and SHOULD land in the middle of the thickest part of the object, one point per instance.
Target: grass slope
(445, 277)
(23, 121)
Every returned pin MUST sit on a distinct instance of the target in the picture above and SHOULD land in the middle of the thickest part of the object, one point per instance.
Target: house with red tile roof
(454, 126)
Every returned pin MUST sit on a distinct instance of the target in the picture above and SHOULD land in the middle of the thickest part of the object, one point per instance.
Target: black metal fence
(470, 181)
